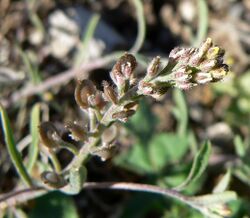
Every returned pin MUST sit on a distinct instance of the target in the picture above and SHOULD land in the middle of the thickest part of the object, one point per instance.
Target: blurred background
(45, 45)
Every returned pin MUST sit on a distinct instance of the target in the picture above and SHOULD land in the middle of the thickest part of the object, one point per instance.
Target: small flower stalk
(187, 67)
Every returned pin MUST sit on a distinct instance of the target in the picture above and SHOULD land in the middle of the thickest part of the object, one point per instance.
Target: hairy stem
(21, 196)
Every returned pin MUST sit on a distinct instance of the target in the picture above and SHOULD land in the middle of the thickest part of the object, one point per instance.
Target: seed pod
(84, 89)
(49, 135)
(110, 93)
(77, 132)
(53, 180)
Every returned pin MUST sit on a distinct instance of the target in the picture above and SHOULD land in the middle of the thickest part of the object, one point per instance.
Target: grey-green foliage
(199, 165)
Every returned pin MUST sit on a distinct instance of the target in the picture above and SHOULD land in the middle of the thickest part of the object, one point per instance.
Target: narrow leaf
(239, 146)
(218, 198)
(199, 165)
(13, 152)
(32, 69)
(223, 183)
(33, 149)
(203, 22)
(83, 53)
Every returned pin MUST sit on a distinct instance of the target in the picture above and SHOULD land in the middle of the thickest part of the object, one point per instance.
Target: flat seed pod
(48, 135)
(84, 89)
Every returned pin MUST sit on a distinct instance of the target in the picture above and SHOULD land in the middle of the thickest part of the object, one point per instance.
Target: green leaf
(180, 111)
(223, 183)
(216, 198)
(33, 149)
(242, 173)
(13, 152)
(239, 146)
(143, 123)
(53, 205)
(83, 53)
(32, 69)
(135, 160)
(166, 148)
(199, 165)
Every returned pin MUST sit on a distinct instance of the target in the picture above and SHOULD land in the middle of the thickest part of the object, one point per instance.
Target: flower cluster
(187, 67)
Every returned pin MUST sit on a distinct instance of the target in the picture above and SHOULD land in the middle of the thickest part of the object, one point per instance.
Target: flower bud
(200, 52)
(182, 74)
(153, 68)
(202, 78)
(208, 65)
(145, 88)
(125, 65)
(184, 85)
(205, 47)
(219, 73)
(213, 52)
(118, 78)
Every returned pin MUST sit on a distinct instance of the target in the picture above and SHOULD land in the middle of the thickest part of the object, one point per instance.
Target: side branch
(24, 195)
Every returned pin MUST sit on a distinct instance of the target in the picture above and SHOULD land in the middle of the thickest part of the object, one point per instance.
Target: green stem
(69, 147)
(141, 26)
(83, 154)
(203, 22)
(55, 162)
(92, 119)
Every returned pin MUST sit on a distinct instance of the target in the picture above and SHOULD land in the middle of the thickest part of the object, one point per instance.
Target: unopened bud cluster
(187, 67)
